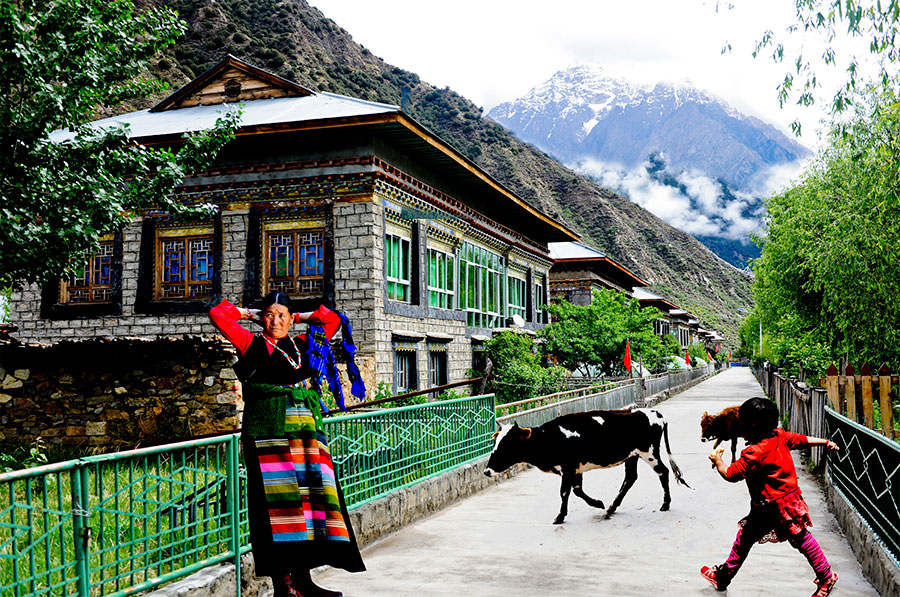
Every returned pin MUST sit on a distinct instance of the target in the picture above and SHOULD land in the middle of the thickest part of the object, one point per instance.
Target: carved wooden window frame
(295, 284)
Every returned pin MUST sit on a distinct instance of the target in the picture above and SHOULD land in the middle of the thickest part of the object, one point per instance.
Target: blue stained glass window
(187, 269)
(296, 261)
(93, 280)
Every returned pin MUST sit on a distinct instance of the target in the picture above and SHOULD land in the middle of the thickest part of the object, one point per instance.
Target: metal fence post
(80, 528)
(232, 485)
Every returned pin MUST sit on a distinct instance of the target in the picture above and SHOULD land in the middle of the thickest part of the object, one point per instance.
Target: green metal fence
(864, 472)
(377, 453)
(117, 524)
(120, 523)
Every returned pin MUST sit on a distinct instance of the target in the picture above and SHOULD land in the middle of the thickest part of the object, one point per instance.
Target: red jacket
(768, 467)
(225, 317)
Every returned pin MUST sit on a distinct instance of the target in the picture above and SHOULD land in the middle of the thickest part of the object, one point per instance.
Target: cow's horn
(526, 432)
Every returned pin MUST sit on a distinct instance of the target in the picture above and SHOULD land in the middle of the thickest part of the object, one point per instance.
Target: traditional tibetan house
(663, 324)
(578, 270)
(331, 200)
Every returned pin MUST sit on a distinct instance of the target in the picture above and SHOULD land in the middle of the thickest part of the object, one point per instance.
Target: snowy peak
(584, 113)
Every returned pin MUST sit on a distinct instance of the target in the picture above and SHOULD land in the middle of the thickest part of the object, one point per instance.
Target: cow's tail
(677, 471)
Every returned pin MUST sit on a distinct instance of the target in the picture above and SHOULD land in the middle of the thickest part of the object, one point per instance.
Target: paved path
(502, 541)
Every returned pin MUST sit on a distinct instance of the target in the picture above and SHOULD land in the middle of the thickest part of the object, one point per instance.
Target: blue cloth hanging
(321, 358)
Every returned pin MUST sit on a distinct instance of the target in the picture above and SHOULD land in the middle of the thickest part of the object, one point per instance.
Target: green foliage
(697, 351)
(15, 457)
(517, 372)
(59, 63)
(828, 279)
(450, 395)
(384, 391)
(593, 336)
(835, 21)
(670, 345)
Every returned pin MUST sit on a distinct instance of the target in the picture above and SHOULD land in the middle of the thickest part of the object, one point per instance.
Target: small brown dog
(721, 427)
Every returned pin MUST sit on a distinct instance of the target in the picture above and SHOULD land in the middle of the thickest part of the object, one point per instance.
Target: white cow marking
(599, 420)
(568, 433)
(653, 417)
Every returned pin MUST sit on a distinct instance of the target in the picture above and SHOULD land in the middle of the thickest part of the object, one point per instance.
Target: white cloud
(698, 206)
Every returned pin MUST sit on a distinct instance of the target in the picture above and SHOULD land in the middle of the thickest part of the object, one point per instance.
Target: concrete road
(502, 541)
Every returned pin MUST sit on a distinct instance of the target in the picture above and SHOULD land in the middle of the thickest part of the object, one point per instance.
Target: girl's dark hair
(276, 298)
(759, 419)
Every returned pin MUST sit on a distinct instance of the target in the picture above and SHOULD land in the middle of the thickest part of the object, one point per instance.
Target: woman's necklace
(295, 364)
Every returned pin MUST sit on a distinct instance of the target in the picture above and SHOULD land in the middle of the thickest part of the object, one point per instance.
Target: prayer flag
(628, 357)
(687, 357)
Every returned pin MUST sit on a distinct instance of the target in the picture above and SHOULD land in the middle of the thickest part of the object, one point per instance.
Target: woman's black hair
(276, 298)
(759, 419)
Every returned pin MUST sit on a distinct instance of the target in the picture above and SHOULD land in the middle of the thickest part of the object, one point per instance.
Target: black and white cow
(572, 444)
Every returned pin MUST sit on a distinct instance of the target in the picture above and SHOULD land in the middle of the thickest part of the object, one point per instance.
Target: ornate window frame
(291, 265)
(55, 303)
(481, 286)
(441, 277)
(152, 297)
(398, 263)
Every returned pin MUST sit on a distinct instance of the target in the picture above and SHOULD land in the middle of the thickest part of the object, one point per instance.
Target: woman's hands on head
(251, 314)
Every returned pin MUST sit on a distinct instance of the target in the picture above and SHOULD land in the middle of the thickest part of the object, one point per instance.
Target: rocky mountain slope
(294, 40)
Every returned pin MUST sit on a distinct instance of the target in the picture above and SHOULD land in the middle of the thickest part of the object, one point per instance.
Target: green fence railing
(376, 453)
(865, 472)
(117, 524)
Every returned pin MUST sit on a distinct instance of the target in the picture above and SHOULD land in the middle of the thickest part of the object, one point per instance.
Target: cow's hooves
(601, 506)
(559, 520)
(664, 508)
(609, 514)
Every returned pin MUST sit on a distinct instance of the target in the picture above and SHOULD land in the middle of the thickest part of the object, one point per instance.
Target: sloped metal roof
(573, 250)
(261, 112)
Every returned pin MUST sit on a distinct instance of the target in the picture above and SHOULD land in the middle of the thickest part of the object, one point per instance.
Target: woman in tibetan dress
(297, 516)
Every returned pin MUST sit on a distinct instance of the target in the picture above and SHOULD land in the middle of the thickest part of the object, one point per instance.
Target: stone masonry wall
(120, 392)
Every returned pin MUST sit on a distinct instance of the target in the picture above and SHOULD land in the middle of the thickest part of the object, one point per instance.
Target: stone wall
(118, 392)
(878, 566)
(125, 391)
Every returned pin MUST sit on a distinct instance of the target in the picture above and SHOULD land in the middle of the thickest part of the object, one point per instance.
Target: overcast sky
(493, 51)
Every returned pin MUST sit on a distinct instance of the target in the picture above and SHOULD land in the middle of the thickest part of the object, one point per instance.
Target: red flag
(709, 356)
(628, 357)
(729, 355)
(687, 357)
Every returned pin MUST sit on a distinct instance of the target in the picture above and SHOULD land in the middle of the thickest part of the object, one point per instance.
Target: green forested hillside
(295, 41)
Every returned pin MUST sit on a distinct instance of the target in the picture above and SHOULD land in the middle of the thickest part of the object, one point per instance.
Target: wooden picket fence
(854, 396)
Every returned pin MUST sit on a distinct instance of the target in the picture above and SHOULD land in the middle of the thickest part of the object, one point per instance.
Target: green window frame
(540, 299)
(481, 275)
(441, 280)
(515, 297)
(398, 266)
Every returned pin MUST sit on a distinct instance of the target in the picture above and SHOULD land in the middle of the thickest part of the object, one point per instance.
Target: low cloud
(692, 201)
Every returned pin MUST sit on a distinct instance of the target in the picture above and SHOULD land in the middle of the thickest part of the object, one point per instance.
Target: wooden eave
(663, 305)
(408, 134)
(605, 268)
(287, 88)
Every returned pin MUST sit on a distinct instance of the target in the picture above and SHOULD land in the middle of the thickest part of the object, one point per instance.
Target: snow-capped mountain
(583, 114)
